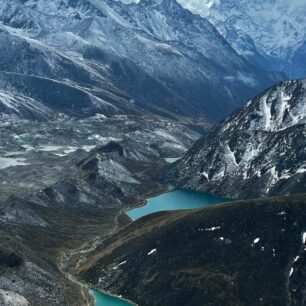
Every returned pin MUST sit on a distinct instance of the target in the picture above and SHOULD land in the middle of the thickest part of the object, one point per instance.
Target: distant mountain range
(258, 151)
(86, 56)
(271, 33)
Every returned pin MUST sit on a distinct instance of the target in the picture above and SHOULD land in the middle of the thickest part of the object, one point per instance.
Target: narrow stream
(174, 200)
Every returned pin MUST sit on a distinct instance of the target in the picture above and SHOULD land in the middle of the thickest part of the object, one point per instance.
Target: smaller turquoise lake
(175, 200)
(102, 299)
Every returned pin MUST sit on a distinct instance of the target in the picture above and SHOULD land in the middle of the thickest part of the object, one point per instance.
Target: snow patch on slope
(11, 298)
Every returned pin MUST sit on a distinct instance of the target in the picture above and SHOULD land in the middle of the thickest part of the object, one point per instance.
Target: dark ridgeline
(244, 253)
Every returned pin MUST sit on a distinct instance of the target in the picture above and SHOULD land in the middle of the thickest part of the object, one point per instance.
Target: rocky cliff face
(152, 57)
(257, 151)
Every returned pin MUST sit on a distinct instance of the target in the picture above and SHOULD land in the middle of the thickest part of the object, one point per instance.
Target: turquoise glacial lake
(102, 299)
(175, 200)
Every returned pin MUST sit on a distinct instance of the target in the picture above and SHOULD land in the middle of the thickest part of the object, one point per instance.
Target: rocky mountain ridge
(152, 57)
(258, 151)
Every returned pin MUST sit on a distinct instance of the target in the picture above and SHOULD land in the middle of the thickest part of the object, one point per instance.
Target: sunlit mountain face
(262, 144)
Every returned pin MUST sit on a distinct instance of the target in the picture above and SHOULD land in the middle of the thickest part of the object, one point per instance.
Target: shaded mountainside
(242, 253)
(154, 57)
(257, 151)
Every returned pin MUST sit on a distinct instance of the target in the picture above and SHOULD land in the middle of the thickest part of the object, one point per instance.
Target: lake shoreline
(144, 201)
(92, 290)
(174, 202)
(169, 200)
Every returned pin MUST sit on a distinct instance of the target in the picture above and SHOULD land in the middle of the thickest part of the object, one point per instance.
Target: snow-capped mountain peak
(268, 32)
(280, 107)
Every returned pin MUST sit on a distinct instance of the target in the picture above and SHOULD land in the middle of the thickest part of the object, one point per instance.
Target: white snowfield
(6, 162)
(9, 298)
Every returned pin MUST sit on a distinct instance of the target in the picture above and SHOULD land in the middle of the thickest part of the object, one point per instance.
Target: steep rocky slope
(28, 108)
(243, 253)
(151, 57)
(257, 151)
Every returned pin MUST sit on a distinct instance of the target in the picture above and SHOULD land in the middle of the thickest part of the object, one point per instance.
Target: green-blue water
(102, 299)
(175, 200)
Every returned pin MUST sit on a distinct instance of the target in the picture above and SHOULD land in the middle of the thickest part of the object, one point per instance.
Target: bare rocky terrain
(64, 186)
